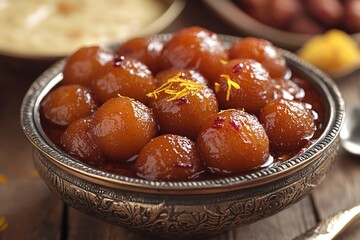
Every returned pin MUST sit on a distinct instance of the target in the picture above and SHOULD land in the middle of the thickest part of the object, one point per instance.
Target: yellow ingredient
(33, 174)
(3, 180)
(335, 52)
(3, 224)
(188, 87)
(230, 84)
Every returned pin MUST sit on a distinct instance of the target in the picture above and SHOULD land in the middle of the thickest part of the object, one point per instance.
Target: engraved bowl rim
(31, 126)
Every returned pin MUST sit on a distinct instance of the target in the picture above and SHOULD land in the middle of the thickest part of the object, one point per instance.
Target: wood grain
(341, 190)
(81, 226)
(284, 225)
(26, 204)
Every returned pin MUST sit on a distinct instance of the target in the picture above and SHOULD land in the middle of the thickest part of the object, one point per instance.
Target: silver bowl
(176, 209)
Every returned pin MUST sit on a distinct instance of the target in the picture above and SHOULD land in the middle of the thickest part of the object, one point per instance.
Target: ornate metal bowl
(178, 209)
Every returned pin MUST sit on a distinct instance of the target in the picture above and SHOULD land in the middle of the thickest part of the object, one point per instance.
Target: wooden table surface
(28, 210)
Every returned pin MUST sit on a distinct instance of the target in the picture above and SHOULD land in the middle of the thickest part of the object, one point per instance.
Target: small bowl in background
(193, 208)
(232, 14)
(43, 54)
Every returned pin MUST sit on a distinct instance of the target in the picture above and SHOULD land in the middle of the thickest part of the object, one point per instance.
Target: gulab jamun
(121, 127)
(194, 47)
(124, 76)
(169, 158)
(288, 124)
(68, 103)
(352, 16)
(185, 73)
(243, 84)
(287, 89)
(145, 49)
(262, 51)
(82, 66)
(233, 141)
(119, 118)
(77, 141)
(181, 106)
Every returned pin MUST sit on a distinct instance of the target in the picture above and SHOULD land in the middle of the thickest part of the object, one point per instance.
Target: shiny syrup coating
(77, 141)
(186, 115)
(169, 158)
(121, 127)
(286, 89)
(82, 66)
(68, 103)
(262, 51)
(185, 73)
(254, 90)
(124, 76)
(233, 141)
(145, 49)
(194, 47)
(288, 124)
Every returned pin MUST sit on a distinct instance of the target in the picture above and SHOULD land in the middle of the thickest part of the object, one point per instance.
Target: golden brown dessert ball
(352, 15)
(194, 47)
(305, 24)
(282, 12)
(82, 66)
(244, 83)
(287, 89)
(233, 141)
(169, 158)
(289, 124)
(275, 13)
(328, 12)
(121, 127)
(188, 74)
(262, 51)
(145, 49)
(77, 142)
(181, 107)
(124, 76)
(67, 104)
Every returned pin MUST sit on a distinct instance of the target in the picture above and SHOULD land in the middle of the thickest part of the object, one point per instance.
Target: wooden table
(28, 210)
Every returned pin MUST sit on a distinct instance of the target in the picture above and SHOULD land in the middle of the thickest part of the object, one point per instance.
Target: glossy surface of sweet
(233, 141)
(169, 158)
(201, 116)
